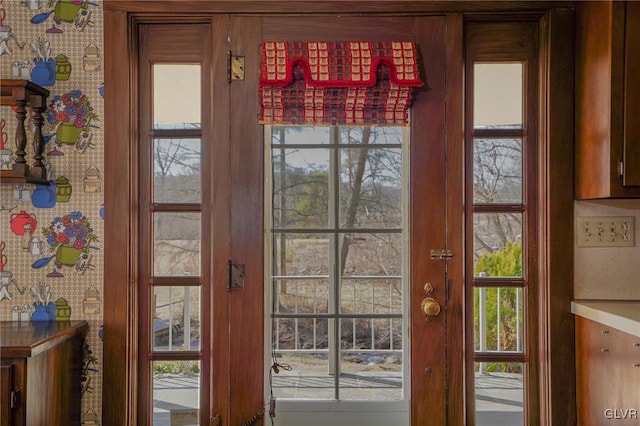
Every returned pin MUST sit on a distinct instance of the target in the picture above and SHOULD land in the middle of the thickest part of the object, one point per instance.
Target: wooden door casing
(120, 296)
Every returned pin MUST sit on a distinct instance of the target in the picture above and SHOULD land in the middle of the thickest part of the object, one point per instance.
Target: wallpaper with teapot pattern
(51, 237)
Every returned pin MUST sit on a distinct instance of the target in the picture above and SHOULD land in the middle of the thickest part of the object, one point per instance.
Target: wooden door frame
(556, 355)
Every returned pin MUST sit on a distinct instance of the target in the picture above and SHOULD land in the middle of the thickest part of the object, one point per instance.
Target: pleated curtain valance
(337, 83)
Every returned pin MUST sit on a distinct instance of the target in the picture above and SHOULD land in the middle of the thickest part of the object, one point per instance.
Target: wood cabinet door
(607, 101)
(607, 375)
(6, 386)
(631, 154)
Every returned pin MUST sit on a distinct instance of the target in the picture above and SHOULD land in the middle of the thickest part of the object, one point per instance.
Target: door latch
(441, 254)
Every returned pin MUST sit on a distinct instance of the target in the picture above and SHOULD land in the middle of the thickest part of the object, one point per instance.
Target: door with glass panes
(183, 228)
(294, 271)
(351, 214)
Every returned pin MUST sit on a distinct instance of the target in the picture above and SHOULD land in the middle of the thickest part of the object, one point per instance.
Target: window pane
(176, 318)
(176, 244)
(371, 254)
(497, 244)
(499, 393)
(301, 333)
(176, 393)
(176, 171)
(498, 319)
(497, 171)
(368, 369)
(308, 378)
(371, 135)
(300, 135)
(307, 296)
(176, 96)
(368, 296)
(497, 95)
(300, 188)
(371, 188)
(301, 254)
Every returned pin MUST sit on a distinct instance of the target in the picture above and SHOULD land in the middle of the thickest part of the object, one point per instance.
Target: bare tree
(497, 179)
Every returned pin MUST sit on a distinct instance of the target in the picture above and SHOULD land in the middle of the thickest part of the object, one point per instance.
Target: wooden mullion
(175, 356)
(500, 357)
(176, 133)
(177, 281)
(498, 282)
(176, 208)
(498, 133)
(499, 208)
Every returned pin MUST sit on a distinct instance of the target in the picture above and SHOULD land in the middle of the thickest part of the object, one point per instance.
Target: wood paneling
(455, 218)
(120, 264)
(217, 195)
(428, 225)
(555, 289)
(246, 305)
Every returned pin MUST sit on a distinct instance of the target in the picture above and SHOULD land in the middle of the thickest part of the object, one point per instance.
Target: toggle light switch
(606, 231)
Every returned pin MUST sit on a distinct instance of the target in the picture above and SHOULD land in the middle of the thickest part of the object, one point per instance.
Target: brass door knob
(430, 307)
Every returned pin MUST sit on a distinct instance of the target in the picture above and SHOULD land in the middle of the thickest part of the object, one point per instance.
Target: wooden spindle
(38, 169)
(20, 167)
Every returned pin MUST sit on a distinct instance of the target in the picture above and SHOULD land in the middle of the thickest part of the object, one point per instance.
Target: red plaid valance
(354, 82)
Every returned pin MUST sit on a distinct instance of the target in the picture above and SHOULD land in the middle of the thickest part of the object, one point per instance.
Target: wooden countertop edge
(605, 312)
(45, 344)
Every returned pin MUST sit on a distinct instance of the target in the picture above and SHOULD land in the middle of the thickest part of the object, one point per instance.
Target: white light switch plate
(606, 231)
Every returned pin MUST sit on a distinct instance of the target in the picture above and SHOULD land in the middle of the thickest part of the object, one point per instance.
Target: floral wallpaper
(51, 236)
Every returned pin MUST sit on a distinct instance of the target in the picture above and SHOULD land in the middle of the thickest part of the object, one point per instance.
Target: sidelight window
(501, 151)
(173, 223)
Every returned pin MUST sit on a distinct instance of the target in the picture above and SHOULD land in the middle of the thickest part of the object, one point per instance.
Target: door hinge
(441, 254)
(236, 275)
(235, 67)
(620, 168)
(216, 420)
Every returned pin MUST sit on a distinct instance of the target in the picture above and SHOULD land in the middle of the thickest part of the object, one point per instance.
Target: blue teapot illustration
(44, 196)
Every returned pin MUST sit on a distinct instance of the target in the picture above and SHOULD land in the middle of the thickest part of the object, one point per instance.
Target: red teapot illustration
(23, 221)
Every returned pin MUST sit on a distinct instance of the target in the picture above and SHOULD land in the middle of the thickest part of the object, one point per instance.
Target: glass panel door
(351, 216)
(173, 271)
